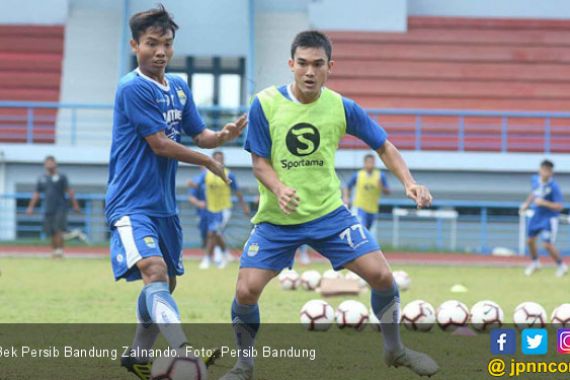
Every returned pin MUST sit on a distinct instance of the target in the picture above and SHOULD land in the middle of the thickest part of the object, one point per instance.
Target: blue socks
(163, 311)
(246, 321)
(386, 306)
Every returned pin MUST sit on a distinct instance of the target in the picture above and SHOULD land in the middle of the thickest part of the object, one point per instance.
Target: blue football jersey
(549, 191)
(140, 182)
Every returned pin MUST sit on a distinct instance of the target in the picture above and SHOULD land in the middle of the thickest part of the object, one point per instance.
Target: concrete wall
(359, 15)
(549, 9)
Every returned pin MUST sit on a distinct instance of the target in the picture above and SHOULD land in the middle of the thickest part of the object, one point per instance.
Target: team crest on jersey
(253, 250)
(181, 96)
(149, 241)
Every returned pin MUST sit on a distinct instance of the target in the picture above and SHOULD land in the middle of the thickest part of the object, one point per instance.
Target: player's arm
(347, 190)
(162, 146)
(196, 202)
(394, 161)
(264, 172)
(74, 203)
(554, 206)
(210, 139)
(33, 203)
(527, 202)
(384, 181)
(234, 187)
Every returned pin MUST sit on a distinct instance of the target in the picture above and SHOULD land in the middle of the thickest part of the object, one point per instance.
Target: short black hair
(312, 39)
(548, 164)
(158, 18)
(369, 155)
(49, 158)
(217, 152)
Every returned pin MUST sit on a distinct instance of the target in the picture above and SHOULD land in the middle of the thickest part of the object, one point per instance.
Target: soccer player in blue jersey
(293, 137)
(546, 202)
(370, 184)
(151, 110)
(197, 197)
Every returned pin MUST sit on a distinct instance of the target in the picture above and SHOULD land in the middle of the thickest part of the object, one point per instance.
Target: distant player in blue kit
(293, 136)
(151, 110)
(546, 202)
(370, 184)
(197, 197)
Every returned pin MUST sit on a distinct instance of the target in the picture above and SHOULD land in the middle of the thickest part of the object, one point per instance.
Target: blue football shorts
(135, 237)
(547, 228)
(338, 236)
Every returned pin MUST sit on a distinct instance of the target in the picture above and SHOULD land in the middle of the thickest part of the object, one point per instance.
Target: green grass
(83, 291)
(77, 290)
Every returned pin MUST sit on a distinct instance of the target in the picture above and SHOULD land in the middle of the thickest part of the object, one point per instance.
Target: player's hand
(233, 130)
(539, 202)
(201, 204)
(420, 194)
(523, 207)
(288, 199)
(218, 169)
(29, 211)
(246, 209)
(77, 210)
(346, 201)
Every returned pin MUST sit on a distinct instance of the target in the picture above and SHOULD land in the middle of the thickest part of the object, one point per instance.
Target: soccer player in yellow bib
(294, 132)
(218, 210)
(370, 184)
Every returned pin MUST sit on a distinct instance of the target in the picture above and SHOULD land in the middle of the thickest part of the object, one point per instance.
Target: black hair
(548, 164)
(217, 152)
(158, 18)
(369, 155)
(312, 39)
(49, 158)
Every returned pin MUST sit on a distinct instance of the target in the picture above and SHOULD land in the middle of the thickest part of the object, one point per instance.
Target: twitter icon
(534, 341)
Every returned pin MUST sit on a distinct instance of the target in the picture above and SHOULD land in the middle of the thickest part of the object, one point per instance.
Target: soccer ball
(418, 315)
(402, 279)
(374, 322)
(354, 276)
(486, 315)
(529, 314)
(561, 316)
(310, 279)
(331, 274)
(180, 367)
(451, 315)
(317, 315)
(351, 314)
(289, 279)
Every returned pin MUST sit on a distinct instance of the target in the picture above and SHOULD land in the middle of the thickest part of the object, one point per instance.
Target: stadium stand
(30, 70)
(461, 63)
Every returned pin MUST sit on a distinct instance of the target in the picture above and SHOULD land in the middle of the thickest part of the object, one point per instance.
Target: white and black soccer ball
(317, 315)
(351, 314)
(310, 280)
(181, 367)
(332, 274)
(402, 279)
(418, 315)
(452, 315)
(353, 276)
(486, 315)
(373, 321)
(289, 279)
(560, 317)
(529, 314)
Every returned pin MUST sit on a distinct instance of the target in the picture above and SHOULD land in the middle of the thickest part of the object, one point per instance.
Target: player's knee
(381, 279)
(153, 269)
(245, 294)
(547, 245)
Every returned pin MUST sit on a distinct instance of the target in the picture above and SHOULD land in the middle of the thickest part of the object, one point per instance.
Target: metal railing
(476, 226)
(413, 129)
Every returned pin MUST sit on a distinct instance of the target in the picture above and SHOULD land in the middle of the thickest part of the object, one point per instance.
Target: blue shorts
(338, 236)
(203, 225)
(365, 218)
(135, 237)
(546, 227)
(217, 221)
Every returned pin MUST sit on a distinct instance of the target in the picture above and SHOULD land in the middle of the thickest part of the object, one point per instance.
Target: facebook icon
(503, 342)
